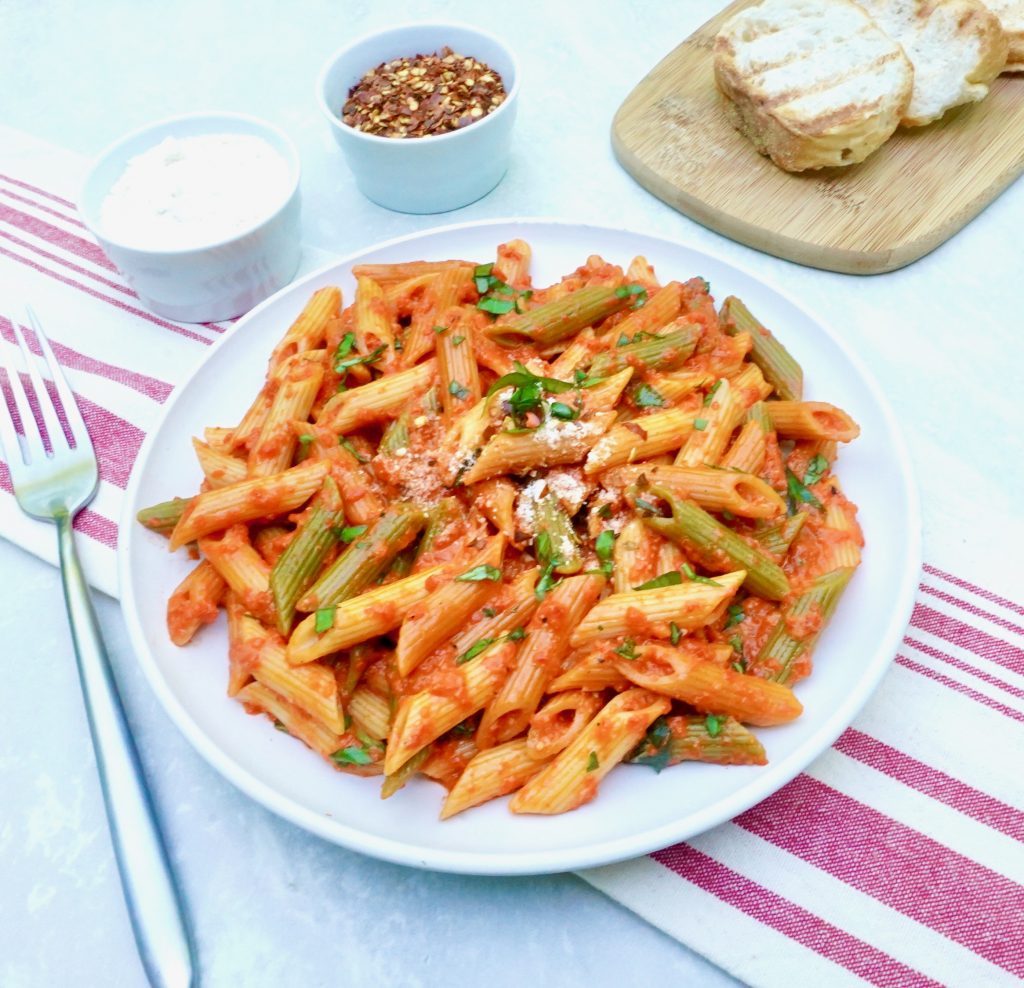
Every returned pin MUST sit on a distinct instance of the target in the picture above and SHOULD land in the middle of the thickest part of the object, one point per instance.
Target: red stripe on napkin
(938, 677)
(985, 677)
(180, 330)
(931, 782)
(25, 245)
(78, 246)
(791, 920)
(42, 208)
(151, 387)
(966, 636)
(896, 865)
(115, 440)
(973, 588)
(35, 188)
(963, 605)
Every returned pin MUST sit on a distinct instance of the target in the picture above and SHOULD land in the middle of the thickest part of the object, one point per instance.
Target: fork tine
(79, 430)
(46, 406)
(33, 448)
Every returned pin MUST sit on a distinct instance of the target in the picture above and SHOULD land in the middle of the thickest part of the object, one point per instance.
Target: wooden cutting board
(911, 195)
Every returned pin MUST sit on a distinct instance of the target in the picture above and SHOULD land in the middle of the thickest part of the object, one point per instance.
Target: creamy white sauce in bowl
(188, 192)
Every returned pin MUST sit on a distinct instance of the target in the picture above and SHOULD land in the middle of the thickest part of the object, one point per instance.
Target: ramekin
(213, 281)
(430, 174)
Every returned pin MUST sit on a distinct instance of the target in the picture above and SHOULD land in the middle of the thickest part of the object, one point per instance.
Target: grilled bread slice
(1011, 16)
(812, 83)
(957, 47)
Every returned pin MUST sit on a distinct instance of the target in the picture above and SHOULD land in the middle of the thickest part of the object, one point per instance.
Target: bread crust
(846, 135)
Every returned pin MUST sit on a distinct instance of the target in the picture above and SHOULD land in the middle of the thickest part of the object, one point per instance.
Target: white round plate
(636, 810)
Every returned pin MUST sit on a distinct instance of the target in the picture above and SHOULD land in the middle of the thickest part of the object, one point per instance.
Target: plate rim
(605, 852)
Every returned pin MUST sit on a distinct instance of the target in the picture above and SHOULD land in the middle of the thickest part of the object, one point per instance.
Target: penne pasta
(260, 497)
(490, 774)
(451, 540)
(650, 613)
(573, 777)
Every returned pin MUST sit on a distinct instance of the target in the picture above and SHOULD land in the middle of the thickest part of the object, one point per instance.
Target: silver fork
(53, 487)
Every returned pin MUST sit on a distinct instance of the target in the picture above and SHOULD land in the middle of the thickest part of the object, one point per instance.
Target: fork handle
(154, 905)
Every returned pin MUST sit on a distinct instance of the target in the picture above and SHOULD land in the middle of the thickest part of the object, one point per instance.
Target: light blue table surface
(271, 905)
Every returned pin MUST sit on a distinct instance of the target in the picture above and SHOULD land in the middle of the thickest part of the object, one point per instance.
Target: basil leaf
(324, 620)
(627, 649)
(646, 397)
(816, 469)
(496, 306)
(474, 650)
(458, 390)
(562, 411)
(713, 725)
(480, 573)
(675, 632)
(352, 756)
(798, 491)
(521, 377)
(654, 749)
(670, 579)
(592, 763)
(351, 532)
(736, 614)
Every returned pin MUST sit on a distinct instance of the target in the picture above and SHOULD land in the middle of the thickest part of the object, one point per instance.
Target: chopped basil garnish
(700, 424)
(592, 763)
(605, 511)
(736, 614)
(604, 544)
(713, 725)
(489, 612)
(711, 394)
(496, 306)
(458, 340)
(521, 376)
(324, 620)
(562, 411)
(460, 392)
(440, 329)
(670, 579)
(815, 469)
(352, 756)
(480, 573)
(482, 644)
(654, 750)
(341, 366)
(351, 532)
(646, 397)
(798, 491)
(306, 438)
(627, 649)
(637, 291)
(345, 443)
(692, 575)
(623, 340)
(675, 631)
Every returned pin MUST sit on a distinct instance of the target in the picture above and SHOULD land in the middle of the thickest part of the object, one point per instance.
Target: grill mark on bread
(832, 82)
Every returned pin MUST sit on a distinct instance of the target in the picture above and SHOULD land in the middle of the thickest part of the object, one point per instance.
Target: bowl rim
(336, 56)
(285, 145)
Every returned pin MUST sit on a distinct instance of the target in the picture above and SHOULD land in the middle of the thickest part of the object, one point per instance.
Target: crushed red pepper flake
(423, 95)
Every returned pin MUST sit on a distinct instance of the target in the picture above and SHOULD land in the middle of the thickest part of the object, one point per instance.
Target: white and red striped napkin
(896, 859)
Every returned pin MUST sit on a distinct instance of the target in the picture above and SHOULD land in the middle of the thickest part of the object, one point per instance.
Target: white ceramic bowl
(422, 174)
(636, 810)
(218, 280)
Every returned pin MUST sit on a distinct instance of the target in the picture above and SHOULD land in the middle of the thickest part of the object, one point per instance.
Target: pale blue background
(272, 906)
